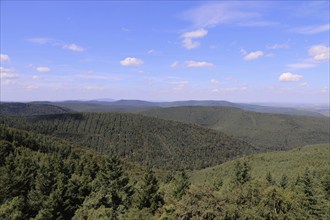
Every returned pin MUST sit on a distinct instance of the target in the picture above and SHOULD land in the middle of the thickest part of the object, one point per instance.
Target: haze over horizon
(250, 52)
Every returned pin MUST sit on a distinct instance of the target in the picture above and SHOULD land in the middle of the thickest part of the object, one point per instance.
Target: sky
(239, 51)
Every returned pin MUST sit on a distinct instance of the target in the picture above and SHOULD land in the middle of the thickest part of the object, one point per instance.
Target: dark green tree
(284, 181)
(311, 202)
(150, 197)
(111, 188)
(242, 172)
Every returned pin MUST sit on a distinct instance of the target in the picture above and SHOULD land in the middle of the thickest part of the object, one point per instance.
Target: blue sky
(244, 51)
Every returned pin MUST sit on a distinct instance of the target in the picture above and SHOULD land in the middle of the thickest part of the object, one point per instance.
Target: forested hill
(24, 109)
(139, 106)
(267, 131)
(157, 142)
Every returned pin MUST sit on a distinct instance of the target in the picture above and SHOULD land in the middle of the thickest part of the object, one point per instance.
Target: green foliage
(142, 139)
(268, 132)
(182, 185)
(43, 177)
(284, 181)
(24, 109)
(242, 172)
(150, 197)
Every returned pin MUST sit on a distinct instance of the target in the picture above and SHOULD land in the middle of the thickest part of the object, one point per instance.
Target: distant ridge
(140, 105)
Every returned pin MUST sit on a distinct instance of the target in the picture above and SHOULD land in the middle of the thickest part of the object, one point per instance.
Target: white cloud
(4, 58)
(42, 69)
(175, 64)
(131, 61)
(279, 46)
(6, 73)
(289, 77)
(212, 14)
(188, 37)
(253, 55)
(230, 89)
(320, 52)
(313, 29)
(257, 23)
(196, 64)
(73, 47)
(214, 81)
(301, 65)
(41, 40)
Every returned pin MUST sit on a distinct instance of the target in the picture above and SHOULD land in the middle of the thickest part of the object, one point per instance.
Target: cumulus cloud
(6, 73)
(214, 81)
(73, 47)
(42, 69)
(188, 37)
(131, 61)
(320, 52)
(289, 77)
(196, 64)
(4, 58)
(253, 55)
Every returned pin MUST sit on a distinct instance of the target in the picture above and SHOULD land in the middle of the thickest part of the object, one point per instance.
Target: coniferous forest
(164, 110)
(129, 166)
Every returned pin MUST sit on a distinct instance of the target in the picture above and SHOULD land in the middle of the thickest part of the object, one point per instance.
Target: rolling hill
(292, 163)
(266, 131)
(157, 142)
(24, 109)
(139, 106)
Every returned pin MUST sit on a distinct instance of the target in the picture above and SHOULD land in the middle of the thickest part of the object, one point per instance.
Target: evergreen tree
(284, 181)
(311, 202)
(242, 172)
(269, 178)
(110, 189)
(150, 197)
(182, 185)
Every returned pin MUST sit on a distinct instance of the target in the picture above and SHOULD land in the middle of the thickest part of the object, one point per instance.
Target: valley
(210, 162)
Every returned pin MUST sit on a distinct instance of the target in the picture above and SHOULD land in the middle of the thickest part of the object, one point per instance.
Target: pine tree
(182, 185)
(150, 196)
(284, 181)
(242, 172)
(269, 178)
(311, 200)
(110, 189)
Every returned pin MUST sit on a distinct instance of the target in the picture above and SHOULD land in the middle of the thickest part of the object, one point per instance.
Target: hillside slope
(267, 131)
(25, 109)
(291, 163)
(157, 142)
